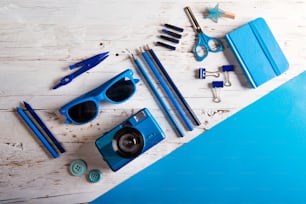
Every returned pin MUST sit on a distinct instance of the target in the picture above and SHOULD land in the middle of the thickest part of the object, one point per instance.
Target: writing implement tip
(56, 86)
(26, 104)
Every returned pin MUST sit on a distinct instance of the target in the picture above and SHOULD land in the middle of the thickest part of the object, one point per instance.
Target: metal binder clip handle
(226, 69)
(216, 85)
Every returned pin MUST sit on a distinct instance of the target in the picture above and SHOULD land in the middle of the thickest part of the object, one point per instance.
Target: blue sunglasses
(85, 108)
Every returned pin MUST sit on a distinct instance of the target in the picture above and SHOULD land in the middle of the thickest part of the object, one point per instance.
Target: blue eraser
(228, 68)
(217, 84)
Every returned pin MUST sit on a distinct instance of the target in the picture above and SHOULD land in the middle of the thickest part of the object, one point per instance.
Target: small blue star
(214, 13)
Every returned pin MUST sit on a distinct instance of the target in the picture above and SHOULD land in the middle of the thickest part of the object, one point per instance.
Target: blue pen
(44, 127)
(159, 98)
(37, 132)
(168, 91)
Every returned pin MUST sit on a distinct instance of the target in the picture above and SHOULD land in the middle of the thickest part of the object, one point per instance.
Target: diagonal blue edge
(256, 156)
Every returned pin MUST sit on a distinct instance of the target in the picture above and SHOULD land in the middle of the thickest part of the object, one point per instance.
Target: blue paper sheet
(258, 155)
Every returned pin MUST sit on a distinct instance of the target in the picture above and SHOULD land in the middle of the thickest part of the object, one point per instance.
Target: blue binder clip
(85, 66)
(226, 69)
(203, 73)
(216, 85)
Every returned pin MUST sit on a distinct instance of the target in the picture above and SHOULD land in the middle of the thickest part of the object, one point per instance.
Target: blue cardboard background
(256, 156)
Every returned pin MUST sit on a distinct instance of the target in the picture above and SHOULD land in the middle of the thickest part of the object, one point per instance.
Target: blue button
(78, 167)
(95, 175)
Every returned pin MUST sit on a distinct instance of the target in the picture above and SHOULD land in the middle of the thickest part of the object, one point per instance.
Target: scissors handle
(206, 44)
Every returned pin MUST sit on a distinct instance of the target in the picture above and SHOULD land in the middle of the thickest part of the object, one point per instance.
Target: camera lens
(128, 142)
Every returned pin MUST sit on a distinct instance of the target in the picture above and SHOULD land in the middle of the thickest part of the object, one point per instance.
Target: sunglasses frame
(96, 95)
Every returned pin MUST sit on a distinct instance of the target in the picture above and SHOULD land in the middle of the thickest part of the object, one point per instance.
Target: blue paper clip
(226, 69)
(85, 66)
(203, 73)
(216, 85)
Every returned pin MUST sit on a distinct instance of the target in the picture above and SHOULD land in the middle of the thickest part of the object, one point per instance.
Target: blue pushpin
(226, 69)
(203, 73)
(216, 85)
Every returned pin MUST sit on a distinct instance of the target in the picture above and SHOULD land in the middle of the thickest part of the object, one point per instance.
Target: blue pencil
(168, 91)
(44, 127)
(159, 98)
(37, 132)
(176, 90)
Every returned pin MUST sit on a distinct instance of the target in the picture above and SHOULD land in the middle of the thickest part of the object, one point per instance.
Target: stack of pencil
(46, 138)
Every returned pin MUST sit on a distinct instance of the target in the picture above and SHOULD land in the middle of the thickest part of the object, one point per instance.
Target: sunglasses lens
(121, 90)
(83, 112)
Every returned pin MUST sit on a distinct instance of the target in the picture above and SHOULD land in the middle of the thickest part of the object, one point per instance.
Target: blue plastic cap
(228, 68)
(217, 84)
(202, 73)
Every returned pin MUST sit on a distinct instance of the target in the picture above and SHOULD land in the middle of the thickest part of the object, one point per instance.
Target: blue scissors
(205, 43)
(85, 66)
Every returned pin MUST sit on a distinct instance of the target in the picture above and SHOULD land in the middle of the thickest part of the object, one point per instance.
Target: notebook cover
(258, 155)
(257, 52)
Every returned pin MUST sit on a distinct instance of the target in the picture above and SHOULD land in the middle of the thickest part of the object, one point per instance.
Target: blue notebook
(257, 52)
(258, 155)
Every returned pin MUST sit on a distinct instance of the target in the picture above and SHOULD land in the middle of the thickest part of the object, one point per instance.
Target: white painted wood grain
(40, 39)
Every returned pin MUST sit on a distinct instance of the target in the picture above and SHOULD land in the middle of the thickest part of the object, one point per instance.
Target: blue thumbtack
(216, 85)
(226, 69)
(203, 73)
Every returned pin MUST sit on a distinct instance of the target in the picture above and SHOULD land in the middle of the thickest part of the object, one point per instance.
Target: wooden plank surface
(40, 39)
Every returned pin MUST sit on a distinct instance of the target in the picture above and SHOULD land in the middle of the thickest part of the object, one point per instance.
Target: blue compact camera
(129, 139)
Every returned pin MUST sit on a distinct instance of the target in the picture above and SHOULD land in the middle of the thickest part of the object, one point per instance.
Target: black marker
(169, 39)
(174, 27)
(165, 45)
(173, 34)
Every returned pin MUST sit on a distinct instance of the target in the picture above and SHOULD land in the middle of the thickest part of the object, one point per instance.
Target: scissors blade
(193, 20)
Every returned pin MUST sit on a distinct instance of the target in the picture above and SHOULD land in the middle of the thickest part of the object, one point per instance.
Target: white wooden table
(40, 39)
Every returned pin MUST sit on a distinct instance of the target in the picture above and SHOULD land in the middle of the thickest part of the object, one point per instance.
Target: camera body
(129, 139)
